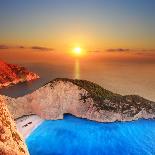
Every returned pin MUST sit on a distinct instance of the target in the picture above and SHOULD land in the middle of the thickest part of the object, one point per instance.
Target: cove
(76, 136)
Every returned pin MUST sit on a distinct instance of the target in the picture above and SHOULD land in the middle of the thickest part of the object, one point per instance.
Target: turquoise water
(75, 136)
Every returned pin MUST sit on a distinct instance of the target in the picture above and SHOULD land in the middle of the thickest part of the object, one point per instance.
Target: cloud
(147, 50)
(94, 51)
(148, 53)
(118, 50)
(4, 47)
(42, 48)
(11, 47)
(24, 47)
(141, 51)
(21, 46)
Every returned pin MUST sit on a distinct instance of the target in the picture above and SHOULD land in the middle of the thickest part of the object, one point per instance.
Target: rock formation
(83, 99)
(11, 142)
(13, 74)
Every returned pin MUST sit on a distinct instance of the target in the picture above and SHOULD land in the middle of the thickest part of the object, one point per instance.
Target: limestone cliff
(11, 142)
(83, 99)
(13, 74)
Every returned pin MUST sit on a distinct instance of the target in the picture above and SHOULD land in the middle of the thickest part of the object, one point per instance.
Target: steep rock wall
(61, 96)
(11, 143)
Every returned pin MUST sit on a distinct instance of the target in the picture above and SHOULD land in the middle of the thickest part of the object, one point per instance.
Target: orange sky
(93, 25)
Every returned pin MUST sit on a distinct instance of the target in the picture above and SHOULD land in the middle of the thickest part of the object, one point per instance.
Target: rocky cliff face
(13, 74)
(11, 142)
(83, 99)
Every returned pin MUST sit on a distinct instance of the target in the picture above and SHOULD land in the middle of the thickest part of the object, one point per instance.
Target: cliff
(83, 99)
(13, 74)
(11, 142)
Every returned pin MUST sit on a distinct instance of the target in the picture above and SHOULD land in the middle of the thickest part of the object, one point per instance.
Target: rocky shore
(83, 99)
(12, 74)
(11, 142)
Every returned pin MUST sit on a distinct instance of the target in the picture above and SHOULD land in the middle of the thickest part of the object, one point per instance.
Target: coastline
(27, 124)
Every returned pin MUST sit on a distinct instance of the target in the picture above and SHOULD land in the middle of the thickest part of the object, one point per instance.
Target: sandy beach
(27, 124)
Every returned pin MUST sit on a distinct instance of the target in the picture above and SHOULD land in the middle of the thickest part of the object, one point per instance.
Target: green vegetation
(107, 100)
(95, 90)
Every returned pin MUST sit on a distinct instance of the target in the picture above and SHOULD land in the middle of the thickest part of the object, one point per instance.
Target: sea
(120, 73)
(76, 136)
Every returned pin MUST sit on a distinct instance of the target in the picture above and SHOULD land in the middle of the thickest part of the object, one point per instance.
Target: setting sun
(77, 50)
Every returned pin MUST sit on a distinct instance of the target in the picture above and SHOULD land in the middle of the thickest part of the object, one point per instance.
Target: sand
(27, 124)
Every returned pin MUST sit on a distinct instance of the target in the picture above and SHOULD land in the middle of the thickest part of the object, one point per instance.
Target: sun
(77, 50)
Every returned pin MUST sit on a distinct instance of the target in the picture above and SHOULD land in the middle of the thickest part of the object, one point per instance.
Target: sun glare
(77, 50)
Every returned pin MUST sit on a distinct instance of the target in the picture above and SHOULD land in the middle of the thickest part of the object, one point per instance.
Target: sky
(117, 38)
(91, 24)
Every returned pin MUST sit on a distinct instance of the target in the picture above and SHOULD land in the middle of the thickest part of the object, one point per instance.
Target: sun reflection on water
(77, 69)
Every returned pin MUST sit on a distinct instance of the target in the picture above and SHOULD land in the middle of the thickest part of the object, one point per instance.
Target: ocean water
(75, 136)
(122, 73)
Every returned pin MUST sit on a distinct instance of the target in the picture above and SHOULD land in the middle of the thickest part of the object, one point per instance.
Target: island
(12, 74)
